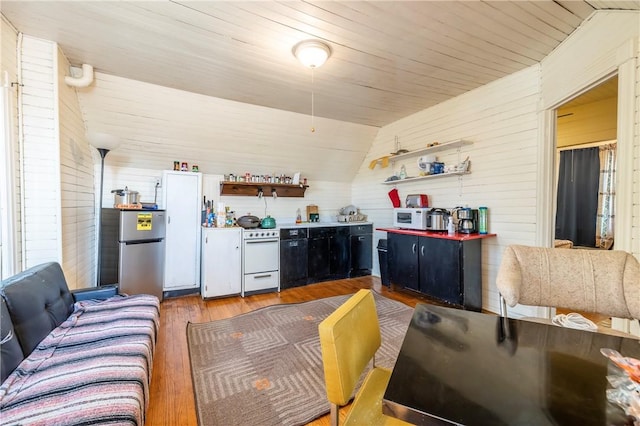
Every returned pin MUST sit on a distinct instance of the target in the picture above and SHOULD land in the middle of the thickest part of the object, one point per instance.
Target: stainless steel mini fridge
(132, 254)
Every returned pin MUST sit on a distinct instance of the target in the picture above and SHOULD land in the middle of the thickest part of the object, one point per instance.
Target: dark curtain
(577, 202)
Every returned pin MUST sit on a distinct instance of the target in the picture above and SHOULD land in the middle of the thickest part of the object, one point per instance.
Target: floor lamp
(103, 143)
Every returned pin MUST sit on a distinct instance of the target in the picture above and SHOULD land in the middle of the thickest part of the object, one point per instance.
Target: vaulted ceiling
(389, 58)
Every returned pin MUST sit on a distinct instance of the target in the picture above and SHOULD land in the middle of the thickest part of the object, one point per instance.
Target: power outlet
(157, 182)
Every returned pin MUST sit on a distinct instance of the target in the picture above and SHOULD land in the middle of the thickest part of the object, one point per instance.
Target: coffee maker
(467, 220)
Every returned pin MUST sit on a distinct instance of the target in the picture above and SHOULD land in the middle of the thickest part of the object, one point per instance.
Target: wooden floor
(171, 393)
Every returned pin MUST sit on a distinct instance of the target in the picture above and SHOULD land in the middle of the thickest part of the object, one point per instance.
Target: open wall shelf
(251, 189)
(410, 179)
(431, 150)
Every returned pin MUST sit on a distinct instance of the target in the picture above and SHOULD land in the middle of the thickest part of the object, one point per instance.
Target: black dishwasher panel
(293, 257)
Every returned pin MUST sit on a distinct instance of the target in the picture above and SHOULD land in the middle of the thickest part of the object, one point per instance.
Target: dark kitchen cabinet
(319, 259)
(293, 257)
(316, 254)
(361, 250)
(339, 254)
(328, 253)
(403, 260)
(439, 269)
(447, 270)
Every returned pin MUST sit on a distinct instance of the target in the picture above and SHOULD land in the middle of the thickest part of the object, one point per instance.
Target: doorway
(586, 134)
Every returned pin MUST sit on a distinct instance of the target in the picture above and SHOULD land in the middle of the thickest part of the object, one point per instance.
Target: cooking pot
(268, 223)
(248, 222)
(125, 197)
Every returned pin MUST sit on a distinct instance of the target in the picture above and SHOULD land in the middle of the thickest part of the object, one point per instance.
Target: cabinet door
(403, 260)
(440, 269)
(319, 259)
(182, 201)
(361, 255)
(293, 263)
(221, 262)
(339, 263)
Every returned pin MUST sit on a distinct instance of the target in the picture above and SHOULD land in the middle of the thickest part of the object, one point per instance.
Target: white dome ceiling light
(312, 53)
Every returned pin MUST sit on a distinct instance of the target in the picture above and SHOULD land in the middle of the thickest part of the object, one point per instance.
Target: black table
(470, 368)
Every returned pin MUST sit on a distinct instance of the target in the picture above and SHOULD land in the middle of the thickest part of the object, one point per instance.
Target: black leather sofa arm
(101, 293)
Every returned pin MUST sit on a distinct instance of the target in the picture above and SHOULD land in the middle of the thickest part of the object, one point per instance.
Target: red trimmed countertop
(458, 236)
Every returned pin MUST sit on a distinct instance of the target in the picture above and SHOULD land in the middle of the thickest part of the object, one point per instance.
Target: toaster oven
(410, 218)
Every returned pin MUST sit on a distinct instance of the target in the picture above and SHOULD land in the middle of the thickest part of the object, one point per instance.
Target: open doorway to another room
(586, 134)
(586, 164)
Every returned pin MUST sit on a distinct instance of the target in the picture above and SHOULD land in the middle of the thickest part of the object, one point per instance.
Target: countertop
(434, 234)
(298, 225)
(320, 224)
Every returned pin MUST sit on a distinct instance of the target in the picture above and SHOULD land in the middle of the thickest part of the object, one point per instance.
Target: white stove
(258, 234)
(260, 261)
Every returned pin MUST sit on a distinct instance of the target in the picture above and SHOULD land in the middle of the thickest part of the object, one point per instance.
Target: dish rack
(355, 217)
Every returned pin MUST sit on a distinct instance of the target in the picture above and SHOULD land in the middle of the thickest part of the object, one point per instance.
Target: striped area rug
(265, 367)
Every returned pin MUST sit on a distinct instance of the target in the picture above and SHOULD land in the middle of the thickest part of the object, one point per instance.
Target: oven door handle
(262, 241)
(263, 276)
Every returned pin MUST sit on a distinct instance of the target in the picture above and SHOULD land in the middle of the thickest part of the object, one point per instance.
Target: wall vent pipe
(83, 81)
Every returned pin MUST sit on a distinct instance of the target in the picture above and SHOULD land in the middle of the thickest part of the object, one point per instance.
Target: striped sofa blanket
(95, 368)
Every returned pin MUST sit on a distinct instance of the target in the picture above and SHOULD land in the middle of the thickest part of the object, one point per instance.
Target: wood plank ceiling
(389, 58)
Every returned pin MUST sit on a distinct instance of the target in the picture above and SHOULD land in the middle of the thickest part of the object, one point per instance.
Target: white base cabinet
(182, 198)
(221, 271)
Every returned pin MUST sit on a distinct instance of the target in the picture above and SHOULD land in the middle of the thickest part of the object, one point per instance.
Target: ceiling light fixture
(312, 53)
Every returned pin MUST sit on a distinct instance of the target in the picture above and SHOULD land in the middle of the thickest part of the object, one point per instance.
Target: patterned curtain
(606, 197)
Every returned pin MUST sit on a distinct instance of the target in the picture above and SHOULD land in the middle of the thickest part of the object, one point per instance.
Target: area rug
(265, 367)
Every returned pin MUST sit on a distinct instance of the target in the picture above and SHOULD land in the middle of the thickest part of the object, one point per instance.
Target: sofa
(74, 357)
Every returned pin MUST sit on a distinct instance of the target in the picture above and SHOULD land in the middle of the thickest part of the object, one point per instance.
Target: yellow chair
(349, 339)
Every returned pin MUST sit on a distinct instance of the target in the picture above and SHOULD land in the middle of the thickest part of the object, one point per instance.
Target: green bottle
(482, 220)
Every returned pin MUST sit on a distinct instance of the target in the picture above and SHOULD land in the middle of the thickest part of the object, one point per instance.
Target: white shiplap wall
(158, 125)
(41, 155)
(328, 196)
(11, 219)
(501, 121)
(77, 188)
(606, 44)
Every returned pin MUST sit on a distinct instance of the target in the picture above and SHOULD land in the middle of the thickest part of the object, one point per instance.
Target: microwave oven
(410, 218)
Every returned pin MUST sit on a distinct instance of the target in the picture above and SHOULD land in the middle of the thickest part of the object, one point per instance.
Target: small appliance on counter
(417, 201)
(410, 218)
(467, 220)
(437, 219)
